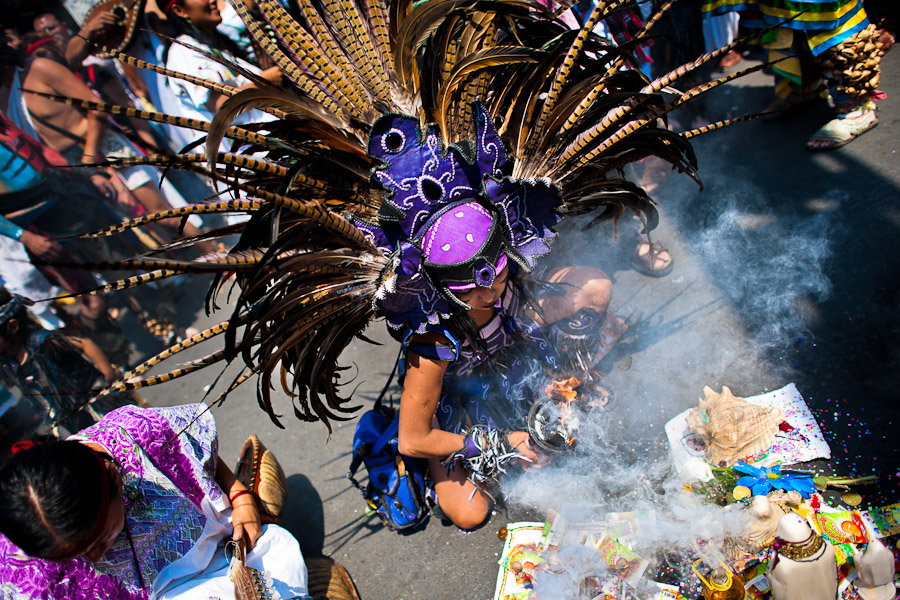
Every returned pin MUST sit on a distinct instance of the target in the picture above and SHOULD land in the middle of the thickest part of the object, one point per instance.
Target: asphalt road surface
(786, 271)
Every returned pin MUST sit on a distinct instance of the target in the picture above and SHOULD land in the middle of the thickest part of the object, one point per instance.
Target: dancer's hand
(102, 23)
(41, 246)
(522, 443)
(246, 521)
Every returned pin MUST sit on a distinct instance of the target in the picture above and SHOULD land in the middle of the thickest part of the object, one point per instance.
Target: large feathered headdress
(395, 117)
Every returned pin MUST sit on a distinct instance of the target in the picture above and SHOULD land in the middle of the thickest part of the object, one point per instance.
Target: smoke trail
(740, 294)
(766, 267)
(586, 485)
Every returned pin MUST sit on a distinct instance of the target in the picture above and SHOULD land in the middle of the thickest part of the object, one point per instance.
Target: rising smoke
(743, 292)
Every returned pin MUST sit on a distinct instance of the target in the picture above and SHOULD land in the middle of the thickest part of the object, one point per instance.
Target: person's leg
(852, 72)
(797, 78)
(454, 495)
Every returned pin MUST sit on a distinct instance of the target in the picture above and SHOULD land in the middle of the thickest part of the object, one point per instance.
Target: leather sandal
(644, 263)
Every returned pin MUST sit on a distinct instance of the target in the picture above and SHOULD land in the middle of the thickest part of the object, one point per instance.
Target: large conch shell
(733, 428)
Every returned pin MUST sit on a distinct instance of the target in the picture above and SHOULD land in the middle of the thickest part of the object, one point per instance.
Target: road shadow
(304, 516)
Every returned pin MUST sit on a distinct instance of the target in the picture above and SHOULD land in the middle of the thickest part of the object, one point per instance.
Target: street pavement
(786, 271)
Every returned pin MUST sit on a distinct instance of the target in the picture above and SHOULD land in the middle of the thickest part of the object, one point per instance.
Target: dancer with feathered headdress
(415, 172)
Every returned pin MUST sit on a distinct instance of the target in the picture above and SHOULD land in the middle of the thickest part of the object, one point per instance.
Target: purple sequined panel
(181, 444)
(421, 176)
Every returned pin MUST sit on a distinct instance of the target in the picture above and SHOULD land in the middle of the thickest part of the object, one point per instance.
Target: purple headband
(454, 286)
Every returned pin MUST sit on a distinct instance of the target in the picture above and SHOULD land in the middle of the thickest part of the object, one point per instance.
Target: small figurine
(875, 573)
(804, 567)
(761, 527)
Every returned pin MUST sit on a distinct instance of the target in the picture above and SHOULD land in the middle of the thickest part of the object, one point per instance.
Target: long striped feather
(486, 59)
(332, 56)
(378, 14)
(601, 8)
(257, 98)
(318, 51)
(251, 163)
(121, 284)
(151, 362)
(244, 376)
(311, 209)
(667, 79)
(236, 133)
(137, 384)
(578, 111)
(208, 264)
(354, 36)
(288, 68)
(692, 133)
(633, 126)
(223, 206)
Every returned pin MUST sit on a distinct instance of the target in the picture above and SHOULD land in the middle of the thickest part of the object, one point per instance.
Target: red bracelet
(239, 494)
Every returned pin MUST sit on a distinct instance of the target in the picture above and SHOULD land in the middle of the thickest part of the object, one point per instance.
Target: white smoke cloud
(757, 276)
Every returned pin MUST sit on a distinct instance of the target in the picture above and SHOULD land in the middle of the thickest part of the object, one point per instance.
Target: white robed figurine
(804, 567)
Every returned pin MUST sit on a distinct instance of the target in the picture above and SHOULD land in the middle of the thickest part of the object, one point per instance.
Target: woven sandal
(328, 580)
(841, 131)
(259, 470)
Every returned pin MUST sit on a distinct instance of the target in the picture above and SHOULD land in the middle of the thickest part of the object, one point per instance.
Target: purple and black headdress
(450, 218)
(383, 188)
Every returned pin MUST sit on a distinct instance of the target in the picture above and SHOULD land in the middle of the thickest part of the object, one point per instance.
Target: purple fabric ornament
(457, 235)
(422, 177)
(502, 261)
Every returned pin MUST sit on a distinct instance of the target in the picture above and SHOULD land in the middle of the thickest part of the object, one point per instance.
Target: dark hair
(465, 326)
(51, 497)
(55, 346)
(26, 324)
(11, 56)
(176, 26)
(50, 51)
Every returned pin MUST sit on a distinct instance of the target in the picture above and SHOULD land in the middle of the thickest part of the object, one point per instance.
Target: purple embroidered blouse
(167, 458)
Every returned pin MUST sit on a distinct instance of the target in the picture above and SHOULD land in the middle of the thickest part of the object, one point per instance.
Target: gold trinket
(800, 550)
(851, 498)
(740, 492)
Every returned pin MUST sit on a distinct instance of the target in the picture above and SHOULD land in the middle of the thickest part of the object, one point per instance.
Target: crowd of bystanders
(54, 185)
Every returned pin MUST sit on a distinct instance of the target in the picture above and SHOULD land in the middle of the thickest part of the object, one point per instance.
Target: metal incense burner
(551, 425)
